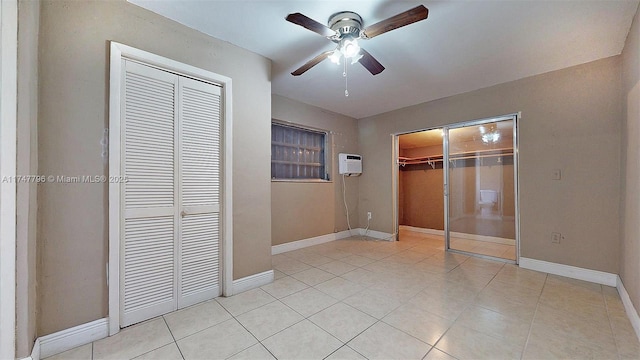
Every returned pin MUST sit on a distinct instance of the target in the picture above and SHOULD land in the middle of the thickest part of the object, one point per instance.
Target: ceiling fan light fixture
(349, 47)
(355, 59)
(335, 56)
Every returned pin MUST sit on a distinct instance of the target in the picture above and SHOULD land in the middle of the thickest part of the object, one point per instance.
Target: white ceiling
(462, 46)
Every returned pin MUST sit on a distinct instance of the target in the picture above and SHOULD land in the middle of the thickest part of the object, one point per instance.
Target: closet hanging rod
(476, 153)
(407, 161)
(412, 162)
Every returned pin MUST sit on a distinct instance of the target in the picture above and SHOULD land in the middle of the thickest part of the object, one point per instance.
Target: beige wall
(570, 121)
(73, 106)
(301, 210)
(630, 204)
(27, 164)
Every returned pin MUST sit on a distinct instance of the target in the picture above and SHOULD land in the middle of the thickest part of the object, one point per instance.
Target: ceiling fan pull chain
(344, 73)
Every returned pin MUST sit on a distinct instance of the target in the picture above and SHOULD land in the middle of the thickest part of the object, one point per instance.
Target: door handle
(183, 213)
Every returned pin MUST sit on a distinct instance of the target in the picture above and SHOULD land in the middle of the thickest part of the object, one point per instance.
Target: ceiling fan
(345, 29)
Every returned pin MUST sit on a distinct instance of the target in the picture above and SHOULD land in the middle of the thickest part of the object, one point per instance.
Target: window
(297, 153)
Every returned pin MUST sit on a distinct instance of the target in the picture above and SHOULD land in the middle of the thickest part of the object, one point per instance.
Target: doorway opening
(458, 184)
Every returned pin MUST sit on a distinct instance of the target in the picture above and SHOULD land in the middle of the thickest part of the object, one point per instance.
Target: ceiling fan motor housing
(345, 23)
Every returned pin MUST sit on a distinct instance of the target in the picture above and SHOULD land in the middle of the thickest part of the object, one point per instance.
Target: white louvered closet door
(170, 133)
(199, 261)
(148, 244)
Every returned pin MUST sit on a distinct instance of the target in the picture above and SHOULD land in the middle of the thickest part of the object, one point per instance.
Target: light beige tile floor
(364, 299)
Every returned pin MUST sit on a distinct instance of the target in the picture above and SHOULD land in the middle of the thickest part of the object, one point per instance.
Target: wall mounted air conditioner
(349, 164)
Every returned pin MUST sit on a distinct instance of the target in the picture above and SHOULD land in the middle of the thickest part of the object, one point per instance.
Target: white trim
(118, 51)
(35, 352)
(377, 234)
(8, 148)
(252, 281)
(27, 163)
(113, 275)
(227, 188)
(598, 277)
(68, 339)
(300, 244)
(631, 311)
(422, 230)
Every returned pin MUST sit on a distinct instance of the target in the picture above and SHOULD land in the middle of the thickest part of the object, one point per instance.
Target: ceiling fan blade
(311, 63)
(309, 23)
(370, 63)
(408, 17)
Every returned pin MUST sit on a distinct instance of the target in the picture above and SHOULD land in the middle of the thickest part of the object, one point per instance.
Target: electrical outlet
(555, 237)
(556, 174)
(369, 215)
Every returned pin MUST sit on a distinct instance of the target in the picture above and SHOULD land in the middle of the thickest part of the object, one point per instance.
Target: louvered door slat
(148, 283)
(199, 253)
(148, 269)
(200, 135)
(200, 192)
(149, 136)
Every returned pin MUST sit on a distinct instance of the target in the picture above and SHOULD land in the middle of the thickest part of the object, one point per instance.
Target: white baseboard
(252, 281)
(631, 311)
(598, 277)
(300, 244)
(376, 234)
(73, 337)
(422, 230)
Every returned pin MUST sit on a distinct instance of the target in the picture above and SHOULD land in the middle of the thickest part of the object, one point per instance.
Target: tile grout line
(368, 287)
(172, 336)
(434, 347)
(247, 330)
(613, 333)
(297, 322)
(356, 351)
(465, 308)
(535, 312)
(468, 305)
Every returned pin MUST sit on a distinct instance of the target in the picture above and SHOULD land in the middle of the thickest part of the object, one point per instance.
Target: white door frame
(8, 150)
(118, 52)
